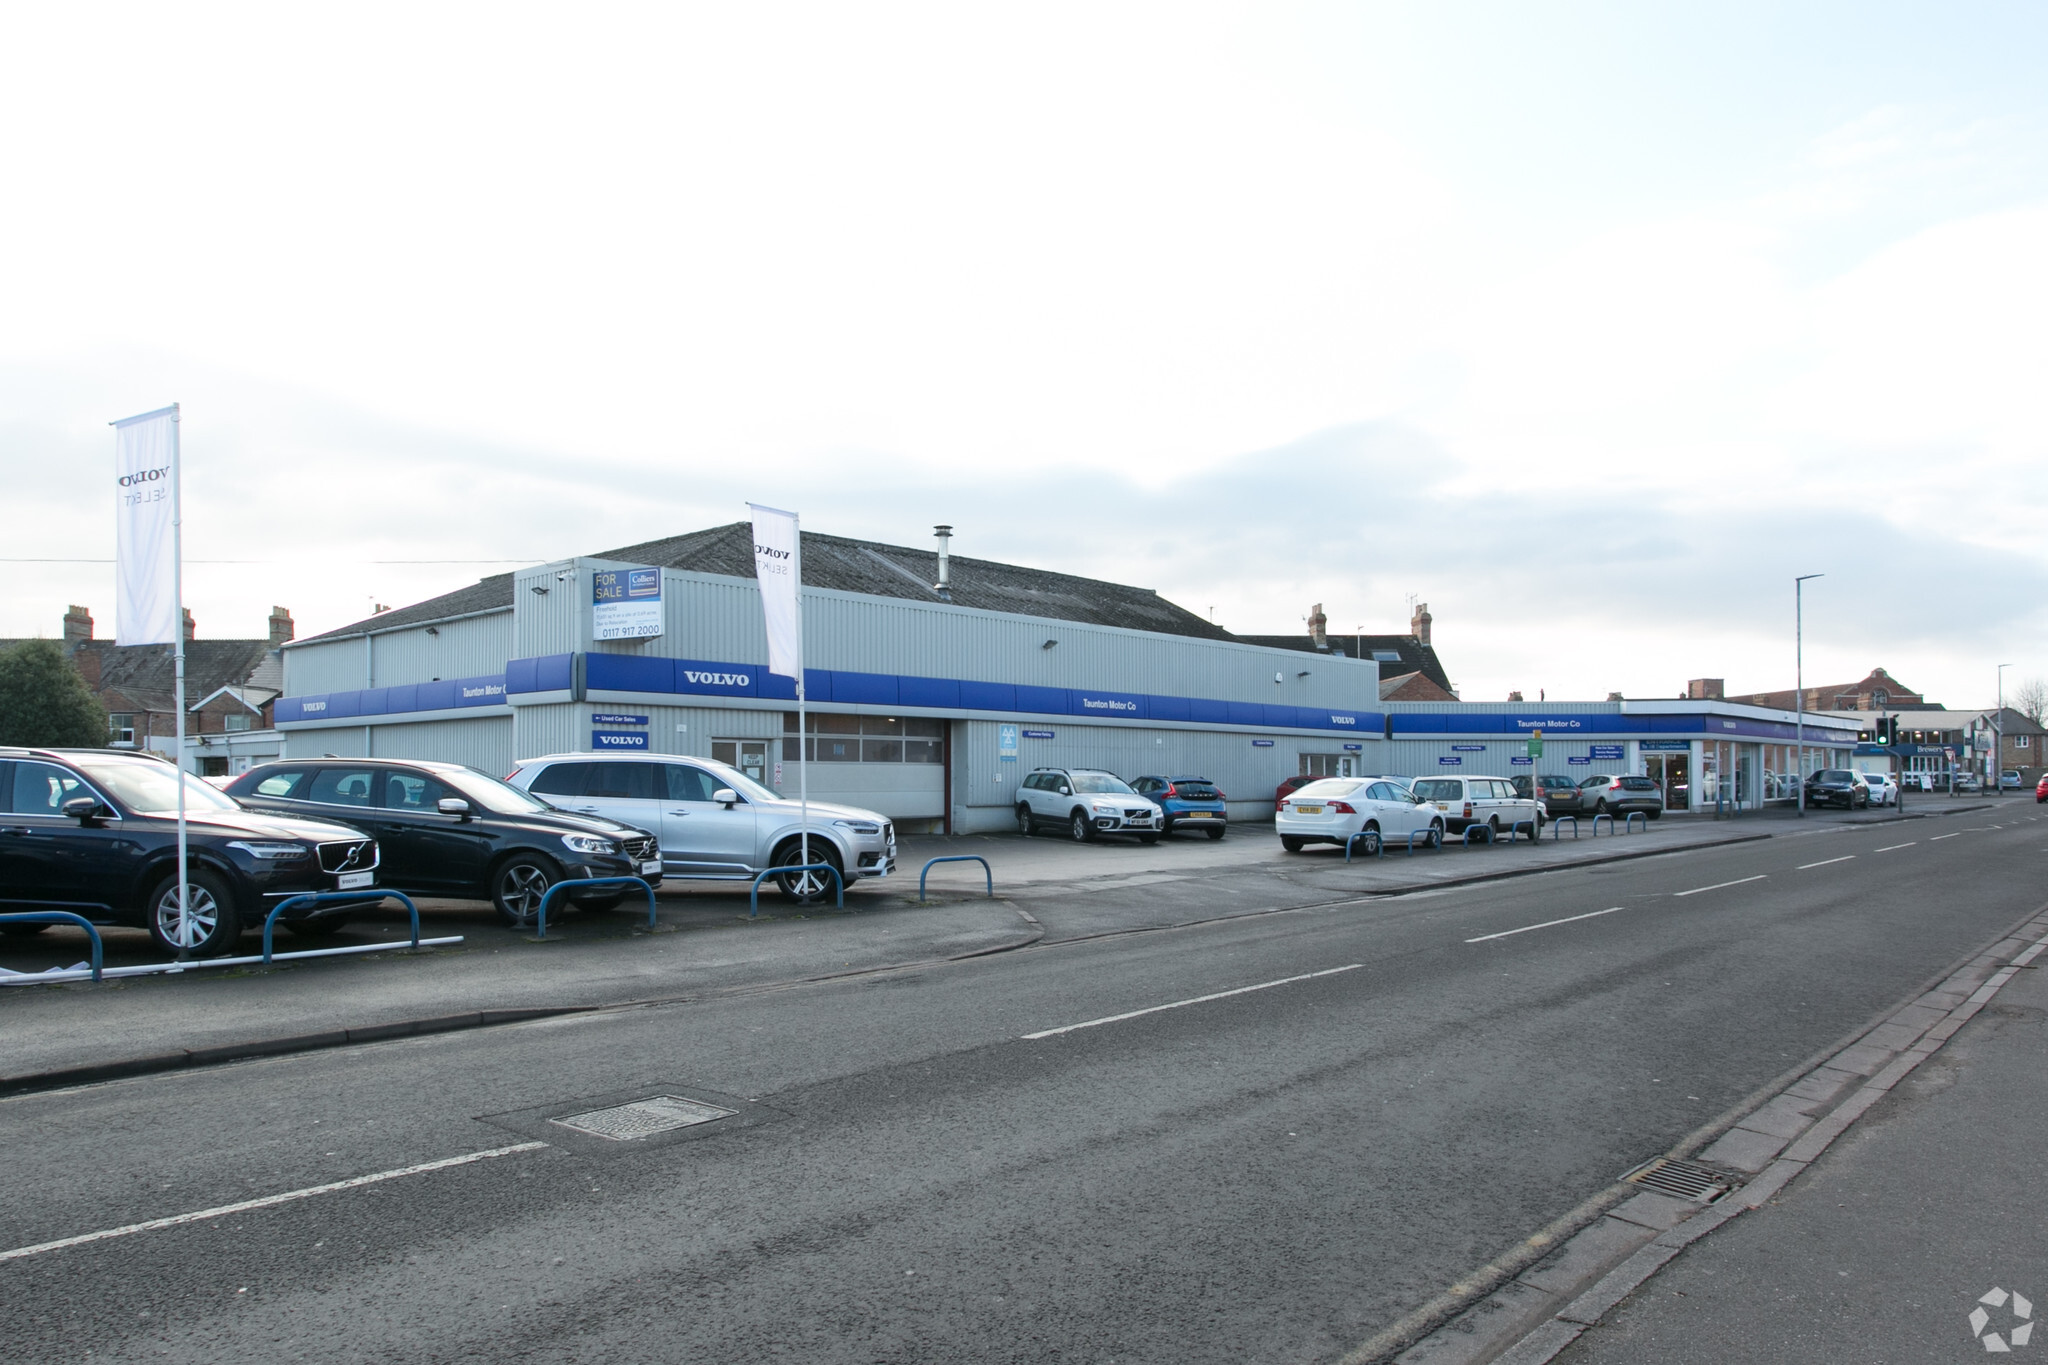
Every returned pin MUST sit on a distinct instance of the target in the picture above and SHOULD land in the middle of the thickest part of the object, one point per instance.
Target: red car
(1288, 788)
(2041, 790)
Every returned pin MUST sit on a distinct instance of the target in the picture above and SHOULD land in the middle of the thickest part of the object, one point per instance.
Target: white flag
(145, 546)
(778, 564)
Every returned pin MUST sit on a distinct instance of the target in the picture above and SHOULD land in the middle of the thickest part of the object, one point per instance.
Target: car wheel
(1024, 824)
(1493, 829)
(1600, 807)
(1214, 831)
(519, 884)
(1291, 844)
(1080, 828)
(327, 926)
(1371, 842)
(806, 888)
(205, 926)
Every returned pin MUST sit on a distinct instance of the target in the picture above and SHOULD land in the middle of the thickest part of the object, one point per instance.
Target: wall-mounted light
(1302, 674)
(1279, 677)
(1048, 644)
(433, 630)
(539, 589)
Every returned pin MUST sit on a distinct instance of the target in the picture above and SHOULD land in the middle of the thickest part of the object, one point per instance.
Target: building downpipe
(943, 587)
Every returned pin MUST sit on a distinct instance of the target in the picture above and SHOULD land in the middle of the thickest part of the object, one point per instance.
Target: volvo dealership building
(933, 684)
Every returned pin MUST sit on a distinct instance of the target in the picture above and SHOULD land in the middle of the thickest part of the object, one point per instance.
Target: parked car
(2009, 780)
(1884, 791)
(1618, 795)
(96, 832)
(2041, 790)
(1967, 782)
(1466, 801)
(1558, 793)
(1292, 784)
(1087, 803)
(1837, 787)
(1330, 810)
(715, 822)
(1191, 801)
(447, 830)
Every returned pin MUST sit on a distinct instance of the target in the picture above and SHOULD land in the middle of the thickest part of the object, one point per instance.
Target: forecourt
(1261, 1138)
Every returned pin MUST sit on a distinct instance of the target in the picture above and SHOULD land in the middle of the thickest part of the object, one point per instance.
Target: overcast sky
(1590, 325)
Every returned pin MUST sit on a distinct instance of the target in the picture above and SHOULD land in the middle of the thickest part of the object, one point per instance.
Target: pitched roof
(147, 674)
(482, 595)
(1411, 655)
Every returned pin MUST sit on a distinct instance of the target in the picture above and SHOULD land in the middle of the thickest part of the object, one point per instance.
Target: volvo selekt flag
(778, 564)
(145, 544)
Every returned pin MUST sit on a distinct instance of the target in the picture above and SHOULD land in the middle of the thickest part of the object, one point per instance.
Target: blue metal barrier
(1557, 823)
(1596, 824)
(1379, 845)
(63, 917)
(838, 884)
(957, 858)
(1628, 824)
(541, 916)
(1431, 838)
(329, 898)
(1471, 830)
(1521, 825)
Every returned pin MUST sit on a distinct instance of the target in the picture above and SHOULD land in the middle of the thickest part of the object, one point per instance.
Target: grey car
(716, 823)
(1086, 803)
(1620, 795)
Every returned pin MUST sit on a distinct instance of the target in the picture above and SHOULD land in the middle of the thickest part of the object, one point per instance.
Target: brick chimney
(191, 630)
(77, 629)
(1418, 624)
(1706, 689)
(281, 628)
(1318, 626)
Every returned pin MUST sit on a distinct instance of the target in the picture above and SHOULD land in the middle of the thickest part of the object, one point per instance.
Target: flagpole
(803, 735)
(178, 667)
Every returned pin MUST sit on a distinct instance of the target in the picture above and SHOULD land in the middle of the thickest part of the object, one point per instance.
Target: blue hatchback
(1189, 803)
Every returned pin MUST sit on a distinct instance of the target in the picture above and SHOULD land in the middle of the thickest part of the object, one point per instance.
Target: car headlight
(1106, 807)
(589, 843)
(859, 826)
(268, 852)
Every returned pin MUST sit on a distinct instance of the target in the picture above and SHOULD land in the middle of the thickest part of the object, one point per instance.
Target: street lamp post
(1799, 681)
(1998, 737)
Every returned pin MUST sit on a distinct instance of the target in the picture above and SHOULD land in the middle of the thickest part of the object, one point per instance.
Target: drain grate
(643, 1118)
(1681, 1180)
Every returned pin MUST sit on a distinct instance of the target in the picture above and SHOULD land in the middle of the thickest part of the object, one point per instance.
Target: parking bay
(1270, 1174)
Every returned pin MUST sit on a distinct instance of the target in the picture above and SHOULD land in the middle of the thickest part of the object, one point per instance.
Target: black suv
(447, 830)
(96, 832)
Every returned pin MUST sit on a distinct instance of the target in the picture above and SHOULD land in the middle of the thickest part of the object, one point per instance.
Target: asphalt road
(1271, 1175)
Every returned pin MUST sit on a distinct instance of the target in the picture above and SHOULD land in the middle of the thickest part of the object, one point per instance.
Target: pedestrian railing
(1375, 845)
(1628, 824)
(334, 898)
(579, 884)
(1484, 830)
(1596, 824)
(1521, 825)
(1557, 824)
(64, 917)
(838, 884)
(957, 858)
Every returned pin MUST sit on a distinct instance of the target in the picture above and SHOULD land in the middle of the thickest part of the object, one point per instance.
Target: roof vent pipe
(945, 535)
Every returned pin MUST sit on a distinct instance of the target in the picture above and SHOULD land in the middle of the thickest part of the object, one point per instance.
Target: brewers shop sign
(625, 604)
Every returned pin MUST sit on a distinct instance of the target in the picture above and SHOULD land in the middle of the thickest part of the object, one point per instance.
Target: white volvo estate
(1334, 809)
(715, 823)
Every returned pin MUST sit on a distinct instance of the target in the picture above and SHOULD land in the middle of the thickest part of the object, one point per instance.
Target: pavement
(1315, 1133)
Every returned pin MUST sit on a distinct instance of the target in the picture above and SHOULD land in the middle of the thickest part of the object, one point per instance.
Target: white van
(1467, 801)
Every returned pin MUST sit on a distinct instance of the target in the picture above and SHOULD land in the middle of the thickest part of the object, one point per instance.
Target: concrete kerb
(1510, 1324)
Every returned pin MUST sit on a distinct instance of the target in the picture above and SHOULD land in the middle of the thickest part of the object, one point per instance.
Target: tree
(2030, 699)
(44, 702)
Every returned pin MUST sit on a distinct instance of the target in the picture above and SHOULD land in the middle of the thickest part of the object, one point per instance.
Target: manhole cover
(643, 1118)
(1681, 1180)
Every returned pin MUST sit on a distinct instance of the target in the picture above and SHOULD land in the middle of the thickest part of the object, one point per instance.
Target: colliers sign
(625, 604)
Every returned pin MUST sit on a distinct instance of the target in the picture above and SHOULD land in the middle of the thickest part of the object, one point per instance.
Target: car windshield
(1329, 789)
(500, 798)
(152, 788)
(1100, 784)
(1440, 789)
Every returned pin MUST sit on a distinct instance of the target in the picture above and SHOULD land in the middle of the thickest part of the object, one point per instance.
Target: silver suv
(714, 822)
(1086, 802)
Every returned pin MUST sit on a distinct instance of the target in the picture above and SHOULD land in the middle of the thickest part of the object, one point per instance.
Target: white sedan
(1334, 809)
(1883, 791)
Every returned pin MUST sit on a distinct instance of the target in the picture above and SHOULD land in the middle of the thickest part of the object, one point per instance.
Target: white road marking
(1824, 862)
(1197, 1000)
(266, 1201)
(1718, 885)
(1889, 847)
(1569, 919)
(1939, 837)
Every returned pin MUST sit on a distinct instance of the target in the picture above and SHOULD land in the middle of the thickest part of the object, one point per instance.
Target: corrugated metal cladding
(484, 743)
(466, 648)
(565, 727)
(1418, 757)
(1247, 773)
(719, 619)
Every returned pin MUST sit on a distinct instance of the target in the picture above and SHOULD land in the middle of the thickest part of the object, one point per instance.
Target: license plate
(1201, 815)
(349, 881)
(649, 869)
(1308, 810)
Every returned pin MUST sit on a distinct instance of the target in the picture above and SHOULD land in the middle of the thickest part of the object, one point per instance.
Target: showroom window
(866, 739)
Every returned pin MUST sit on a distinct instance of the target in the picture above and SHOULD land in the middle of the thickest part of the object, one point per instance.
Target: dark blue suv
(1189, 803)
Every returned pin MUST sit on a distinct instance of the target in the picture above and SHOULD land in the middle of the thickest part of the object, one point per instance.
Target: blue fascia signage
(1664, 746)
(1581, 762)
(1523, 762)
(616, 718)
(1468, 748)
(446, 694)
(618, 739)
(1038, 734)
(1262, 744)
(1610, 752)
(1354, 746)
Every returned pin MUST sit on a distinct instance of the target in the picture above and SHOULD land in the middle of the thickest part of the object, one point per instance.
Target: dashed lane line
(1824, 862)
(267, 1201)
(1939, 837)
(1719, 885)
(1183, 1004)
(1527, 928)
(1889, 847)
